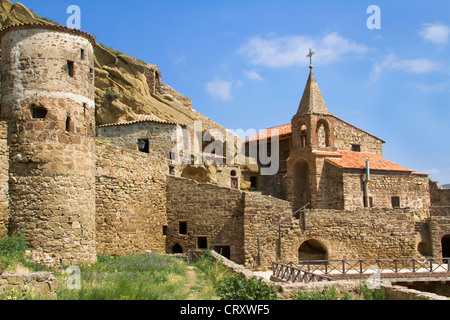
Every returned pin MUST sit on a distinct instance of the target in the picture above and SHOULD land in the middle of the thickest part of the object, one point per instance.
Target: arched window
(303, 136)
(323, 134)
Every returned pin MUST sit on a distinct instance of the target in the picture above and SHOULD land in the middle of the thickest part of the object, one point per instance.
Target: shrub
(110, 95)
(237, 287)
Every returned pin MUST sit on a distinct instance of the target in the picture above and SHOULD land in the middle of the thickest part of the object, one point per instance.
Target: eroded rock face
(138, 84)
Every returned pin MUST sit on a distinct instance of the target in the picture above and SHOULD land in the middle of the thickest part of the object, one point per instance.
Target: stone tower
(48, 101)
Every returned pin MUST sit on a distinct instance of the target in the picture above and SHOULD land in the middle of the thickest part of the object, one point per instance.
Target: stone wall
(363, 234)
(440, 197)
(4, 176)
(210, 212)
(412, 189)
(130, 201)
(40, 285)
(48, 101)
(160, 136)
(346, 134)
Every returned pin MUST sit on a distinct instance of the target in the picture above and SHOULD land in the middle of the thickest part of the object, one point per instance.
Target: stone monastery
(78, 190)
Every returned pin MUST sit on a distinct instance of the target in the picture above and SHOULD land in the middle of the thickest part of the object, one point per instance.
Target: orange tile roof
(357, 160)
(141, 118)
(280, 131)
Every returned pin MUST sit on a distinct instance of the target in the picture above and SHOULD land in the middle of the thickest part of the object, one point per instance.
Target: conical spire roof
(312, 100)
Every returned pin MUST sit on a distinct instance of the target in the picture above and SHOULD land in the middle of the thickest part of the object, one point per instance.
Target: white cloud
(436, 33)
(392, 62)
(253, 75)
(220, 89)
(288, 51)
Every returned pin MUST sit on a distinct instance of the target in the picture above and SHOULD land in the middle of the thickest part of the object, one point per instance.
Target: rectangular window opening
(82, 54)
(182, 227)
(143, 145)
(39, 113)
(202, 242)
(70, 68)
(395, 202)
(356, 147)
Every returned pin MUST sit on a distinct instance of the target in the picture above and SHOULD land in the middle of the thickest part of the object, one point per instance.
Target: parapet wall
(130, 201)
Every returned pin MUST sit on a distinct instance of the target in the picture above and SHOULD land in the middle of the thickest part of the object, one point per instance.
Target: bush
(237, 287)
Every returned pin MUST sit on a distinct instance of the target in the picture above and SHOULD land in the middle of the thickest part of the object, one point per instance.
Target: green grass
(139, 277)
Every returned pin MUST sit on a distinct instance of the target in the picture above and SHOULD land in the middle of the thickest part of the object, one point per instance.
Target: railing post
(395, 263)
(431, 265)
(360, 266)
(414, 265)
(343, 266)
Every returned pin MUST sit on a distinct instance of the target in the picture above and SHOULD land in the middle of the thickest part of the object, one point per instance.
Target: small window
(202, 242)
(143, 145)
(395, 202)
(182, 228)
(164, 230)
(356, 147)
(82, 54)
(253, 182)
(38, 112)
(68, 124)
(233, 173)
(70, 68)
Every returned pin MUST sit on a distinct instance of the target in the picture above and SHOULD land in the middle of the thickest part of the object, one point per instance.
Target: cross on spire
(311, 53)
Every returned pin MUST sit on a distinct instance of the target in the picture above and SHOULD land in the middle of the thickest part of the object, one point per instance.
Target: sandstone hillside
(124, 86)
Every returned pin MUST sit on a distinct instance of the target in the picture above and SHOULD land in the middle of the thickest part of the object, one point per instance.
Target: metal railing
(367, 266)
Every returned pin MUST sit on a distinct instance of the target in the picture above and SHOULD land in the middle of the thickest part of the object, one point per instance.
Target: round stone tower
(48, 101)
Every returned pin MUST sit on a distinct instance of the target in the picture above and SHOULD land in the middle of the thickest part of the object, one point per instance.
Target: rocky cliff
(124, 86)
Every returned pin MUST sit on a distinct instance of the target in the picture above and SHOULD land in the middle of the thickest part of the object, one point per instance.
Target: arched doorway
(312, 250)
(301, 183)
(445, 241)
(177, 248)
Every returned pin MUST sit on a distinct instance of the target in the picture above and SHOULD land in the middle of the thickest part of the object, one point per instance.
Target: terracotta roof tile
(280, 131)
(141, 118)
(357, 160)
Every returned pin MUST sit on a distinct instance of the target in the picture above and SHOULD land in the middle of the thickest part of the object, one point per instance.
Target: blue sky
(244, 65)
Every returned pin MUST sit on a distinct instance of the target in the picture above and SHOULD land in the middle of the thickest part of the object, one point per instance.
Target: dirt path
(192, 282)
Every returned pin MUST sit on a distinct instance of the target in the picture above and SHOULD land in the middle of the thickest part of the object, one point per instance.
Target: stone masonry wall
(412, 189)
(209, 211)
(130, 201)
(363, 234)
(346, 134)
(159, 135)
(4, 176)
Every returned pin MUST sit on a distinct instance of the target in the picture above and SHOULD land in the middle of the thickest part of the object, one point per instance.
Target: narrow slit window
(68, 124)
(82, 54)
(70, 68)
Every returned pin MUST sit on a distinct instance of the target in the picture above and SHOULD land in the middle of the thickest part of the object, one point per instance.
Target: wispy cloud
(436, 33)
(291, 50)
(392, 62)
(220, 89)
(253, 75)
